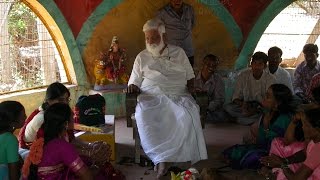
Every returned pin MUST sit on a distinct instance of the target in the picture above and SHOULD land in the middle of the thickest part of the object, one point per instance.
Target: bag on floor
(90, 110)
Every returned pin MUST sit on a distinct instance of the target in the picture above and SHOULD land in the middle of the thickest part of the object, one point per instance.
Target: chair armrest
(131, 102)
(203, 102)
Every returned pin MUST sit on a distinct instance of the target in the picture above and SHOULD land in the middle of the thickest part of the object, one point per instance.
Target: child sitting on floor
(12, 116)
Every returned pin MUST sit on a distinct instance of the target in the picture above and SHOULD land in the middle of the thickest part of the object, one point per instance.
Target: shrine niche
(110, 70)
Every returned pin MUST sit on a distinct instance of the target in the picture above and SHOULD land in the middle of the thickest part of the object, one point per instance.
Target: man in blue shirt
(178, 18)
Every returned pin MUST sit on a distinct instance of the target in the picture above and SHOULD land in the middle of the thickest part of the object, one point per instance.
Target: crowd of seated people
(281, 138)
(38, 140)
(286, 147)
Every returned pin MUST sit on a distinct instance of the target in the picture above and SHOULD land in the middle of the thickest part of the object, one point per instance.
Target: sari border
(50, 169)
(76, 165)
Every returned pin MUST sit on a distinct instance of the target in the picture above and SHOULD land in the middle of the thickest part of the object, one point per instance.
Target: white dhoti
(167, 116)
(170, 129)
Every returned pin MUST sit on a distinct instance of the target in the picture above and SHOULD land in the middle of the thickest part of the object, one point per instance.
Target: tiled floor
(218, 137)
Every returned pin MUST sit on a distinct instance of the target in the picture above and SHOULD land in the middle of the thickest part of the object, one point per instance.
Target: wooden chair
(131, 102)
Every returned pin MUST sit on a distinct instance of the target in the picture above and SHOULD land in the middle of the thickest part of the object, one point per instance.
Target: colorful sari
(280, 149)
(26, 145)
(60, 160)
(248, 155)
(22, 143)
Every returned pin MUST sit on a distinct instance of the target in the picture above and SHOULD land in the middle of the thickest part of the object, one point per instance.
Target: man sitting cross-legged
(305, 71)
(210, 82)
(251, 87)
(167, 116)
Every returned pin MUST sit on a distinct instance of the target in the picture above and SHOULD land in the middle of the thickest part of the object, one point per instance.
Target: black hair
(310, 48)
(313, 117)
(275, 49)
(54, 91)
(260, 56)
(283, 96)
(211, 57)
(55, 118)
(9, 113)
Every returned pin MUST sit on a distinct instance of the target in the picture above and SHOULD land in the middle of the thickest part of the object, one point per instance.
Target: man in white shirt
(274, 59)
(251, 87)
(167, 116)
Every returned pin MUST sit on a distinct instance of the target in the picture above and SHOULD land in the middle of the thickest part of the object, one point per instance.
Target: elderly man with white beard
(167, 116)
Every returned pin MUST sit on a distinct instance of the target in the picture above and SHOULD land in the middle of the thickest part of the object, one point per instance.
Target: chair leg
(137, 148)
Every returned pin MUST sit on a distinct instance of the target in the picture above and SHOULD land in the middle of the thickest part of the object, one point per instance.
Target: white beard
(155, 49)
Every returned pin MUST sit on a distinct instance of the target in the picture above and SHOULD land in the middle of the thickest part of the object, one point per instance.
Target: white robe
(167, 116)
(282, 77)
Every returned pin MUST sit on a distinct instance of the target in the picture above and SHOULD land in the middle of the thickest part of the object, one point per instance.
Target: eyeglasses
(62, 99)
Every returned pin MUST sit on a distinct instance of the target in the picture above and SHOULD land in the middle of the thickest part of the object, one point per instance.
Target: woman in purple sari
(53, 157)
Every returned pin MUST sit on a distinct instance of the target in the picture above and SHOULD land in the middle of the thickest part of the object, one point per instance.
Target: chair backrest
(131, 102)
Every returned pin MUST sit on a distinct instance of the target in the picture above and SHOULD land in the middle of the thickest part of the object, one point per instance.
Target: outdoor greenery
(20, 17)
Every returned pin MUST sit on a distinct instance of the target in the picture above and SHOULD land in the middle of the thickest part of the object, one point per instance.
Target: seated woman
(309, 157)
(12, 116)
(58, 93)
(47, 159)
(272, 124)
(293, 140)
(97, 152)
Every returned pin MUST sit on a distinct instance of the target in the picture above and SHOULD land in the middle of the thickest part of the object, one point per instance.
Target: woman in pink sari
(293, 140)
(53, 157)
(307, 160)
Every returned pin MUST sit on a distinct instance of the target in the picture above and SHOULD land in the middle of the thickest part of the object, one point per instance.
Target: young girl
(52, 156)
(12, 116)
(56, 92)
(96, 153)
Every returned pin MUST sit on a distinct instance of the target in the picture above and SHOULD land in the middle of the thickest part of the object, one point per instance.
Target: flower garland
(190, 174)
(34, 157)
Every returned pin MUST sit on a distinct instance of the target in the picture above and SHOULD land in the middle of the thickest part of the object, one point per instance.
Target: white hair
(156, 24)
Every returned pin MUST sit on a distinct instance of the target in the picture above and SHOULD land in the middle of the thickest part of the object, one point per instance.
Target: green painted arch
(274, 8)
(75, 55)
(223, 14)
(217, 8)
(95, 17)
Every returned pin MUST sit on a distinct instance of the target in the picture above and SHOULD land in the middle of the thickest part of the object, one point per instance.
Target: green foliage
(20, 17)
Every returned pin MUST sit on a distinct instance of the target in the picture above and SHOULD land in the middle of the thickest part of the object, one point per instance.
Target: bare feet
(161, 169)
(155, 168)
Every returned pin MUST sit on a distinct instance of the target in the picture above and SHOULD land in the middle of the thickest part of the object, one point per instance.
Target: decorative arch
(61, 34)
(96, 16)
(275, 7)
(217, 8)
(223, 14)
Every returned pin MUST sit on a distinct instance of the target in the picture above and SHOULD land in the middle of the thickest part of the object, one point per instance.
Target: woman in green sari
(273, 123)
